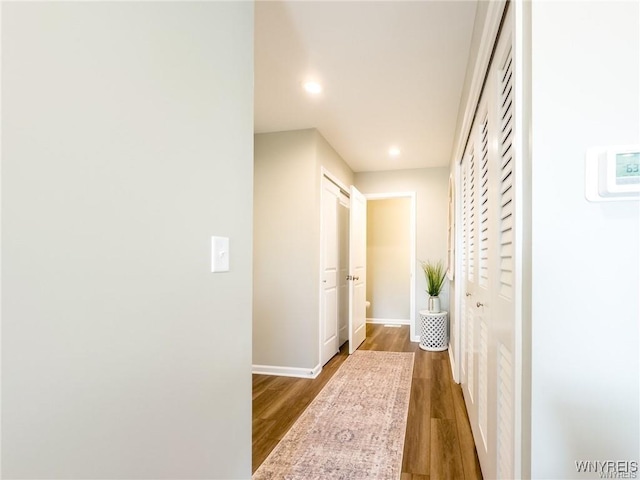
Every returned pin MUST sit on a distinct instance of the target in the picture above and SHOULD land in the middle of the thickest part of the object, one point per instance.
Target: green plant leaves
(434, 273)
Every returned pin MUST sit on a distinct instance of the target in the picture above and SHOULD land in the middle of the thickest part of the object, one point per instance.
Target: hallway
(438, 441)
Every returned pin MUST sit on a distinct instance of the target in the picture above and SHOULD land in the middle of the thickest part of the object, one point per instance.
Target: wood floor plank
(283, 399)
(264, 400)
(470, 462)
(422, 365)
(441, 397)
(287, 417)
(398, 339)
(409, 476)
(408, 345)
(415, 458)
(262, 443)
(260, 384)
(446, 460)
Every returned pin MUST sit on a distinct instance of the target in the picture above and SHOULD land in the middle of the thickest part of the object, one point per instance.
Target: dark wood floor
(438, 443)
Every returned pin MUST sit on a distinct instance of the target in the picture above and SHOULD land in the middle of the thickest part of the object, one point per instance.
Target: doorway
(391, 258)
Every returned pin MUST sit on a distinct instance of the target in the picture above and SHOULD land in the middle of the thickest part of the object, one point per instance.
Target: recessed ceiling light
(394, 151)
(313, 88)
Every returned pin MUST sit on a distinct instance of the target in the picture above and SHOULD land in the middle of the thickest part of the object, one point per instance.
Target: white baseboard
(415, 338)
(286, 371)
(452, 361)
(389, 321)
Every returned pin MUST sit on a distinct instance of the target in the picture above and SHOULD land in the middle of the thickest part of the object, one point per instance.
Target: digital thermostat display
(612, 173)
(627, 168)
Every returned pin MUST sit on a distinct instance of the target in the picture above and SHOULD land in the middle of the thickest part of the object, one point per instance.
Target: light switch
(219, 254)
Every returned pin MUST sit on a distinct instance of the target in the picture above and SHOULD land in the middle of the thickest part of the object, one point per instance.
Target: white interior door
(329, 271)
(357, 269)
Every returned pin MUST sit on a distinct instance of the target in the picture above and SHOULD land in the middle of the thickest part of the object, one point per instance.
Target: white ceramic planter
(433, 306)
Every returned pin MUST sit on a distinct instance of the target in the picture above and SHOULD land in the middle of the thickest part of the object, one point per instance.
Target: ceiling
(392, 74)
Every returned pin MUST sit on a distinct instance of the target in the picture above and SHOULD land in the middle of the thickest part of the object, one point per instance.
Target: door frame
(412, 252)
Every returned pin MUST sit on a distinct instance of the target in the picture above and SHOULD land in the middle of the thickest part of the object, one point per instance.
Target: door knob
(468, 294)
(478, 304)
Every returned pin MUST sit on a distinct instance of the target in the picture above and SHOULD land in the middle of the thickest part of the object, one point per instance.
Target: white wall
(585, 256)
(388, 257)
(126, 143)
(431, 187)
(482, 7)
(284, 266)
(287, 245)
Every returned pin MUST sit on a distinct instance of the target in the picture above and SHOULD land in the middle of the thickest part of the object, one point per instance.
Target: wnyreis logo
(609, 468)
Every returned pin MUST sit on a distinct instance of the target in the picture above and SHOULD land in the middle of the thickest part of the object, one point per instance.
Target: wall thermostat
(613, 173)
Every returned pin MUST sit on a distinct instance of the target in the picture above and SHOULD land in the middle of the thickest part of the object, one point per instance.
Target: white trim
(413, 260)
(454, 366)
(384, 196)
(326, 173)
(389, 321)
(1, 356)
(522, 252)
(487, 42)
(1, 385)
(286, 371)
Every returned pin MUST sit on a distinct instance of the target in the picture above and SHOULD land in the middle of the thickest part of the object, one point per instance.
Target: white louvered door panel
(472, 218)
(489, 237)
(464, 232)
(484, 203)
(506, 190)
(503, 299)
(465, 217)
(471, 378)
(486, 207)
(480, 299)
(483, 382)
(505, 413)
(463, 343)
(470, 167)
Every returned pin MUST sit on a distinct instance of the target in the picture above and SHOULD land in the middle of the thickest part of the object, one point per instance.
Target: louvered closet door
(504, 291)
(481, 232)
(487, 183)
(463, 180)
(469, 274)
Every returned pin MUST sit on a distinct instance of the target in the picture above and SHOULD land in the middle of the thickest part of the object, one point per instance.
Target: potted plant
(434, 273)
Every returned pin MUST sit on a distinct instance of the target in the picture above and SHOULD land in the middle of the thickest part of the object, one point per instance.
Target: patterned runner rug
(355, 427)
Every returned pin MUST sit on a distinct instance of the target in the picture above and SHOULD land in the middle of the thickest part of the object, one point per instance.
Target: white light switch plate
(219, 254)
